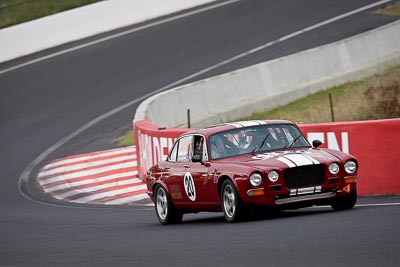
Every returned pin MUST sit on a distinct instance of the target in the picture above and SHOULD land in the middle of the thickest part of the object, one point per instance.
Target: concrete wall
(277, 82)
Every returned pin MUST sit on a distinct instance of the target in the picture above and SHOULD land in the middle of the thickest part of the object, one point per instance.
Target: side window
(185, 149)
(200, 147)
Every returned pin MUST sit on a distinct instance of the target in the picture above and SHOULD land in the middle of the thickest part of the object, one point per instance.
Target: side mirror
(197, 158)
(316, 143)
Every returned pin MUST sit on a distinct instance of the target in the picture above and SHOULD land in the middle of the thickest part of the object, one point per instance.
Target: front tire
(231, 204)
(346, 202)
(166, 212)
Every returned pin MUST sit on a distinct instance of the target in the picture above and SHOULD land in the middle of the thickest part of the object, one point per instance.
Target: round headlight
(334, 168)
(273, 176)
(255, 179)
(350, 167)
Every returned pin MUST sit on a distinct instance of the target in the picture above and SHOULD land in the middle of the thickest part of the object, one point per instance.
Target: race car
(242, 166)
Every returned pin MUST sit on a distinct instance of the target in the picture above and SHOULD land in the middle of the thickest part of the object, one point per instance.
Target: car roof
(235, 125)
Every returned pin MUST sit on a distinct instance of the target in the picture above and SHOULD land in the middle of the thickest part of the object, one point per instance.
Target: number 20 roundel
(188, 183)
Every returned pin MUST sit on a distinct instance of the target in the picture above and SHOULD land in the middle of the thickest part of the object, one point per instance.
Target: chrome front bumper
(304, 198)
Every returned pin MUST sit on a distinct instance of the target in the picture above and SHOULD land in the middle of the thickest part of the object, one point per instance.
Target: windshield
(259, 138)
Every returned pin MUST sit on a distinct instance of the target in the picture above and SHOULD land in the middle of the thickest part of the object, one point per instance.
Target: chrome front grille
(304, 176)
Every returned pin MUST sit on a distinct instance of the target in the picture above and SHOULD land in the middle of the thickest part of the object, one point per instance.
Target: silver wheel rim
(229, 201)
(162, 205)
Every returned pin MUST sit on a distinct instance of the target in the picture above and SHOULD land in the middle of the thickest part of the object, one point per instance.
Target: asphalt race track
(44, 102)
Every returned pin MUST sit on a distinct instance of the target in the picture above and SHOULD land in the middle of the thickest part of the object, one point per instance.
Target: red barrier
(376, 145)
(153, 143)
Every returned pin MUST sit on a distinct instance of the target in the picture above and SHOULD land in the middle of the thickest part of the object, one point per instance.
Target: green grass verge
(125, 140)
(391, 9)
(376, 97)
(13, 12)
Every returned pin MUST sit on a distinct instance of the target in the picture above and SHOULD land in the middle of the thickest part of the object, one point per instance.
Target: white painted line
(95, 188)
(85, 165)
(365, 205)
(87, 173)
(101, 40)
(378, 204)
(91, 157)
(284, 38)
(89, 181)
(121, 201)
(109, 194)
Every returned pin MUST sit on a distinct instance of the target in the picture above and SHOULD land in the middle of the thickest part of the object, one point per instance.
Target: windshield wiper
(262, 143)
(293, 141)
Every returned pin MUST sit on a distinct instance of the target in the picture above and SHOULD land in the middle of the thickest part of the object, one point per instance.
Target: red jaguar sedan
(235, 167)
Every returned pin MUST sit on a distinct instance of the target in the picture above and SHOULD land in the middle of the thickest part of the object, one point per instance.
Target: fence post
(188, 117)
(331, 105)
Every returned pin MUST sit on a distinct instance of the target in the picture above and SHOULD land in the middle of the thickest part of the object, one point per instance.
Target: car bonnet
(284, 159)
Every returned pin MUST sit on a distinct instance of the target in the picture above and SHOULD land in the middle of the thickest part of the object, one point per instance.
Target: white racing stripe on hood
(299, 160)
(312, 159)
(287, 162)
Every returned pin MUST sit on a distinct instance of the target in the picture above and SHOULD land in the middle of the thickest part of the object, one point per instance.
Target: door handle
(186, 166)
(167, 168)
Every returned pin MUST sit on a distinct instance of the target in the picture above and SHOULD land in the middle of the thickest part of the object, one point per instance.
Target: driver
(198, 149)
(262, 140)
(218, 147)
(256, 139)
